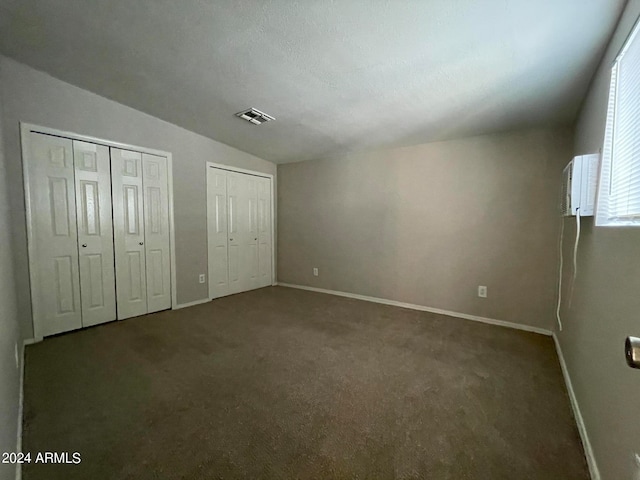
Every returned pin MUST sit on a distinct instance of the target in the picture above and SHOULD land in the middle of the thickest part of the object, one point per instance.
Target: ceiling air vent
(255, 116)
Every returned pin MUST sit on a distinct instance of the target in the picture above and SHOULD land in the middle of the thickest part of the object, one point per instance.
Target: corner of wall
(11, 363)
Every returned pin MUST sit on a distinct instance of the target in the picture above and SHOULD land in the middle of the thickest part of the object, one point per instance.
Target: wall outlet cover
(202, 278)
(482, 291)
(315, 272)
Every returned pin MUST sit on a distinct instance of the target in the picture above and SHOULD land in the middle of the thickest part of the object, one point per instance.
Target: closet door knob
(141, 243)
(84, 245)
(231, 239)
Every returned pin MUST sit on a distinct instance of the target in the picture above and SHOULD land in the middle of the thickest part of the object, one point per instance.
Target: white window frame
(604, 216)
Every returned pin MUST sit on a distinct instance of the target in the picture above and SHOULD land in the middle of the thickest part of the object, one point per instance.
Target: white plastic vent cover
(255, 116)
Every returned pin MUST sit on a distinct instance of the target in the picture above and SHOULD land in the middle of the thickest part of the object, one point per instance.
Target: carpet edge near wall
(423, 308)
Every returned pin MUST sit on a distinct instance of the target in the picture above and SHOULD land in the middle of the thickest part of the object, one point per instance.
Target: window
(619, 192)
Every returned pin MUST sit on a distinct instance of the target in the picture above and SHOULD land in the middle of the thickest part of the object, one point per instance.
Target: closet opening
(240, 227)
(100, 230)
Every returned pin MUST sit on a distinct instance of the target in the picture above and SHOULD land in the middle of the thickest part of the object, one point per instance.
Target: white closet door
(95, 232)
(128, 226)
(54, 273)
(243, 232)
(264, 232)
(235, 194)
(250, 267)
(156, 232)
(239, 230)
(217, 232)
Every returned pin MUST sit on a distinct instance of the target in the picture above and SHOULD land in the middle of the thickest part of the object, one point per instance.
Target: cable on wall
(560, 274)
(575, 266)
(575, 247)
(575, 255)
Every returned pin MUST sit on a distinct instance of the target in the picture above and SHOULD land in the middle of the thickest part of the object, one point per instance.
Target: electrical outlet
(482, 291)
(17, 355)
(315, 272)
(202, 279)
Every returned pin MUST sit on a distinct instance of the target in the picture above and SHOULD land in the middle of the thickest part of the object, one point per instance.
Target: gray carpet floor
(281, 383)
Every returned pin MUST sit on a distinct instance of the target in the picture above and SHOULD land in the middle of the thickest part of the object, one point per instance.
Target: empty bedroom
(279, 239)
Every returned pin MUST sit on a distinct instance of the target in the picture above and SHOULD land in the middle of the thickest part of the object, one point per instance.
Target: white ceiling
(339, 76)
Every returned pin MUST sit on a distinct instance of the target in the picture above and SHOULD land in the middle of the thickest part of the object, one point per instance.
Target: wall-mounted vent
(255, 116)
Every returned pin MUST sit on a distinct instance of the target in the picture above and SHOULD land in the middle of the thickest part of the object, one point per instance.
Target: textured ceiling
(338, 75)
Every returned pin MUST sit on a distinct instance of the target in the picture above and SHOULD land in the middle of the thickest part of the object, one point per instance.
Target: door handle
(141, 243)
(255, 238)
(84, 245)
(632, 351)
(231, 239)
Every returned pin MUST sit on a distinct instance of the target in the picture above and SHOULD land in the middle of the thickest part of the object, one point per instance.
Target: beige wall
(34, 97)
(427, 224)
(9, 330)
(605, 307)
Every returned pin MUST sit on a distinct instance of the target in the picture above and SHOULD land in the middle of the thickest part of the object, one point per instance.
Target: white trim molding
(582, 429)
(190, 304)
(422, 308)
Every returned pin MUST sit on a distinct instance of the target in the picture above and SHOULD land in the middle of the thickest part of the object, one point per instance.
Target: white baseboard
(190, 304)
(586, 444)
(422, 308)
(21, 407)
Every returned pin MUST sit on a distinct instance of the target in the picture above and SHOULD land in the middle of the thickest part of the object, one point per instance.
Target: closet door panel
(129, 235)
(235, 188)
(217, 232)
(246, 250)
(55, 287)
(156, 232)
(250, 238)
(264, 233)
(95, 232)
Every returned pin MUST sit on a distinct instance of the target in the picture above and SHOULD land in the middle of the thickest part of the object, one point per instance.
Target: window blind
(619, 197)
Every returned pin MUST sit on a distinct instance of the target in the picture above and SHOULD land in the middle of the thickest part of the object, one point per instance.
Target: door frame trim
(25, 129)
(256, 173)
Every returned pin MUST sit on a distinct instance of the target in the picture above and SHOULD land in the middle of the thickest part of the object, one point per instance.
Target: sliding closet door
(95, 232)
(217, 232)
(156, 232)
(128, 226)
(264, 232)
(55, 286)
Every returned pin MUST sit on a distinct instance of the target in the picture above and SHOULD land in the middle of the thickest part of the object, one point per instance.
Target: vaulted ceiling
(338, 76)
